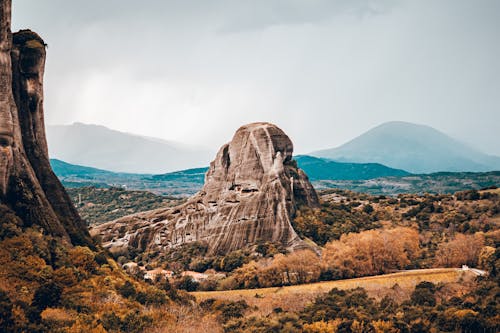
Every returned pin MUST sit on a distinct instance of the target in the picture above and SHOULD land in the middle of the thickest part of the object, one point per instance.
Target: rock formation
(252, 190)
(28, 187)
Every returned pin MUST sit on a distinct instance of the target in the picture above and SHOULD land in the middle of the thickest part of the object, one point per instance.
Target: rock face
(28, 187)
(252, 190)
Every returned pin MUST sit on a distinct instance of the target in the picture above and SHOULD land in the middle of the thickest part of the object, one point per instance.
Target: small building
(198, 277)
(158, 273)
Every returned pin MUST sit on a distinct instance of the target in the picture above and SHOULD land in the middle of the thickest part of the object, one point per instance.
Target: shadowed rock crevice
(28, 187)
(251, 193)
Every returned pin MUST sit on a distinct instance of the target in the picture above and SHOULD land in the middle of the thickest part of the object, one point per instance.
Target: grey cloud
(323, 70)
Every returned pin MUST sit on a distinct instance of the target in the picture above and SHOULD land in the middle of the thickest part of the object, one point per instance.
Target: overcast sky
(323, 70)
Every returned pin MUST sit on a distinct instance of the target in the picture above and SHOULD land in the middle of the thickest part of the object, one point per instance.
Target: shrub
(229, 310)
(47, 295)
(127, 290)
(187, 283)
(423, 294)
(84, 259)
(232, 261)
(6, 318)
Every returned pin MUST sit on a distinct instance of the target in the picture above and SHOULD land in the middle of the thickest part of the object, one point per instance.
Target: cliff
(28, 187)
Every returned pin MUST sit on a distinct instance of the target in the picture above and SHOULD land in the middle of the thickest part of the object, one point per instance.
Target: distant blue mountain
(411, 147)
(63, 169)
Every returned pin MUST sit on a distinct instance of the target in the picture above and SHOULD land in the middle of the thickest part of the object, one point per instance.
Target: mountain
(324, 169)
(108, 149)
(63, 169)
(412, 147)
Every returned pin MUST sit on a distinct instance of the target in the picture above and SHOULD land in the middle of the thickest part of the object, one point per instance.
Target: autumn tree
(462, 250)
(371, 252)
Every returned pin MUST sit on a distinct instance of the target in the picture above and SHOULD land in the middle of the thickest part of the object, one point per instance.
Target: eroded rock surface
(28, 187)
(252, 190)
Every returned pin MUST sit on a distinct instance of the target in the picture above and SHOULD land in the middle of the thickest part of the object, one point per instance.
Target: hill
(180, 183)
(322, 169)
(108, 149)
(412, 147)
(322, 172)
(99, 205)
(439, 182)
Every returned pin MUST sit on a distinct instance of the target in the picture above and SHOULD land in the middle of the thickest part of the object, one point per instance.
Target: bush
(187, 283)
(133, 322)
(232, 261)
(47, 295)
(84, 259)
(127, 290)
(229, 310)
(6, 319)
(423, 294)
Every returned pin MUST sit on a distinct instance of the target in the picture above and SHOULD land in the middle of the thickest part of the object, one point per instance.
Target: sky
(324, 71)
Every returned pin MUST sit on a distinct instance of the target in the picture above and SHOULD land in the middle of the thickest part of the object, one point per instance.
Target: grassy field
(294, 298)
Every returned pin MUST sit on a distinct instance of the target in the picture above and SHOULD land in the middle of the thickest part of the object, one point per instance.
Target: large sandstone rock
(28, 187)
(252, 190)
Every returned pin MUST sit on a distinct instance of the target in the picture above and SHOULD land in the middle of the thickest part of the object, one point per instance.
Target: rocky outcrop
(28, 187)
(251, 193)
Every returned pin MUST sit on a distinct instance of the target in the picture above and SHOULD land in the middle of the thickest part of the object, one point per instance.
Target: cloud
(194, 71)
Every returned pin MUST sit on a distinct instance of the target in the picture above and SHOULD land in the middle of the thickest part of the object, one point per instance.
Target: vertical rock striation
(28, 186)
(251, 193)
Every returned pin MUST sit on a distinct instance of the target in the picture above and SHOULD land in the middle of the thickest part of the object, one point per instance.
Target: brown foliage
(371, 252)
(462, 250)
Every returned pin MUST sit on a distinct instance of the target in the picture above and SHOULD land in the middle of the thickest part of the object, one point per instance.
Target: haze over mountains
(104, 148)
(411, 147)
(390, 149)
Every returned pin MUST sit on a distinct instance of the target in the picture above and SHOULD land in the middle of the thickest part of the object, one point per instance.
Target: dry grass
(294, 298)
(495, 190)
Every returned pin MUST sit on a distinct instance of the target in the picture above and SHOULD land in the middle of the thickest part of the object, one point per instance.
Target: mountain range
(370, 178)
(108, 149)
(189, 181)
(411, 147)
(393, 145)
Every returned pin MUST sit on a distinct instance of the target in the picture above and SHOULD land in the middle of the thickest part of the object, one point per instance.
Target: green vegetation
(441, 182)
(181, 183)
(99, 205)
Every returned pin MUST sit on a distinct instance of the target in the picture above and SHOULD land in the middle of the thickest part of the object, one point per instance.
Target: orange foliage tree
(371, 252)
(462, 250)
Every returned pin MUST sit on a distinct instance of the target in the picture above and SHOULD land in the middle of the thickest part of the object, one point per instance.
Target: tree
(371, 252)
(301, 266)
(423, 294)
(462, 250)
